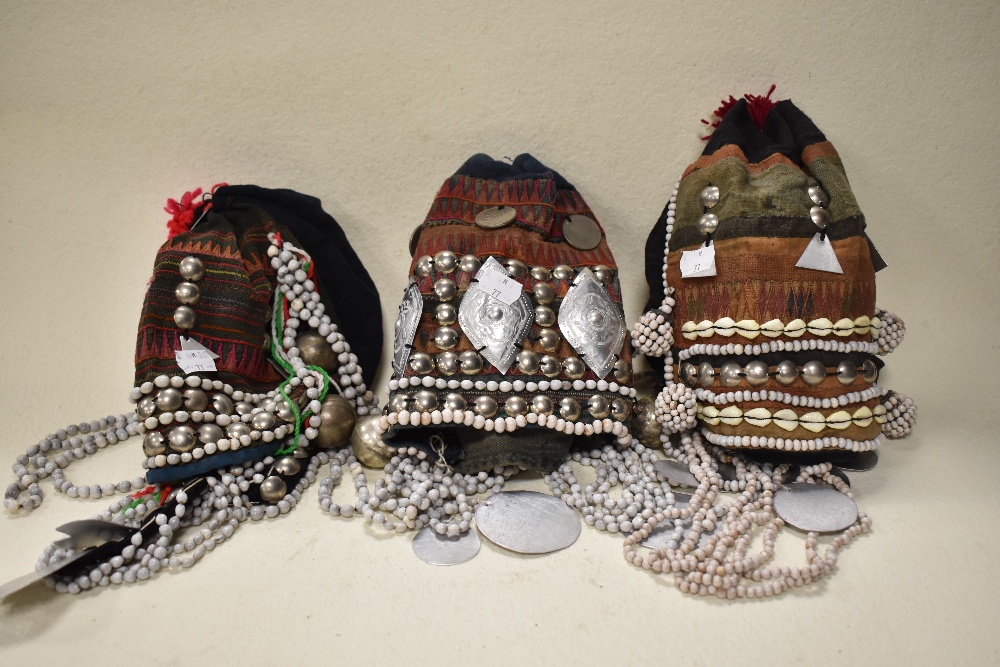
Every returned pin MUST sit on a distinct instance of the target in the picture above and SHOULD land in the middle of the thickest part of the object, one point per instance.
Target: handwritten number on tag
(698, 263)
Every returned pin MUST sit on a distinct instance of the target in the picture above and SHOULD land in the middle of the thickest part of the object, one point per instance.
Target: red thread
(183, 212)
(758, 107)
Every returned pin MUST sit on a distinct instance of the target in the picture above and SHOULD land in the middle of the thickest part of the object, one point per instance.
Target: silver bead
(542, 405)
(540, 273)
(454, 402)
(273, 489)
(847, 372)
(516, 268)
(447, 363)
(470, 362)
(337, 421)
(569, 409)
(645, 427)
(237, 429)
(420, 363)
(222, 404)
(243, 408)
(598, 406)
(527, 362)
(820, 216)
(399, 402)
(485, 406)
(445, 261)
(185, 317)
(623, 370)
(445, 338)
(209, 433)
(562, 272)
(757, 373)
(786, 372)
(813, 372)
(424, 266)
(544, 293)
(706, 374)
(146, 407)
(182, 439)
(708, 223)
(315, 351)
(191, 268)
(445, 314)
(169, 399)
(549, 339)
(869, 371)
(709, 196)
(284, 412)
(187, 293)
(689, 373)
(729, 374)
(367, 445)
(515, 405)
(469, 263)
(620, 409)
(573, 367)
(549, 366)
(818, 196)
(545, 316)
(153, 444)
(604, 274)
(425, 401)
(195, 399)
(444, 289)
(287, 465)
(263, 421)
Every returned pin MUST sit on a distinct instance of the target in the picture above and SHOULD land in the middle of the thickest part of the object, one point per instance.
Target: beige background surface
(106, 109)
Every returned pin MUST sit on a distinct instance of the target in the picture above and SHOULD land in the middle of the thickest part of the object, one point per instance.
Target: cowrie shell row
(821, 326)
(733, 415)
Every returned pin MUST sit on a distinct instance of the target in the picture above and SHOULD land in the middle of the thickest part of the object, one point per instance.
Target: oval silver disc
(815, 508)
(528, 522)
(676, 473)
(581, 232)
(495, 217)
(440, 550)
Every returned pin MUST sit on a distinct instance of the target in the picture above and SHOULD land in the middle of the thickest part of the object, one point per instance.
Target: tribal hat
(762, 294)
(511, 339)
(244, 380)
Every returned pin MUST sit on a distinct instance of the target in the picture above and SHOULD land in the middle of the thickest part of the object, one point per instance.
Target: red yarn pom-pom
(758, 106)
(182, 212)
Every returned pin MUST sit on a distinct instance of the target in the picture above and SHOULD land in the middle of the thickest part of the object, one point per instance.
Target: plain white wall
(107, 109)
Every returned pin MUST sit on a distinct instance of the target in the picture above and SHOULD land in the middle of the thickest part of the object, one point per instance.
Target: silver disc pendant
(495, 328)
(676, 473)
(815, 508)
(590, 321)
(581, 232)
(406, 327)
(528, 522)
(440, 550)
(496, 217)
(859, 462)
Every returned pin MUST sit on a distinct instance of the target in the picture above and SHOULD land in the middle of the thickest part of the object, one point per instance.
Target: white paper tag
(195, 361)
(698, 263)
(820, 256)
(192, 344)
(501, 287)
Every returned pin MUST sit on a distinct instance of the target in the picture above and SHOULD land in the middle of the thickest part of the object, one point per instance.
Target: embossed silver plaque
(528, 522)
(495, 328)
(815, 508)
(440, 550)
(590, 321)
(406, 326)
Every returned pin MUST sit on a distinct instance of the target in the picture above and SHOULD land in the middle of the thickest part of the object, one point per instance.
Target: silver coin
(676, 473)
(496, 217)
(581, 232)
(440, 550)
(815, 508)
(528, 522)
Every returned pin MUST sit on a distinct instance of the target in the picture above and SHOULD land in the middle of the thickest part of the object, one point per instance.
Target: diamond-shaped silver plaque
(495, 328)
(406, 327)
(590, 322)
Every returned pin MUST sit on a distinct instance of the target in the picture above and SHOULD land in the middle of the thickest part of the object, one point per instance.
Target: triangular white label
(820, 256)
(698, 263)
(191, 345)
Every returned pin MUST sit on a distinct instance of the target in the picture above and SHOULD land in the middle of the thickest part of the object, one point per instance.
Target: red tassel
(182, 212)
(758, 106)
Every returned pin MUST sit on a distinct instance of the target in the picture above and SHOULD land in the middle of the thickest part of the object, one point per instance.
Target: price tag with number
(195, 361)
(698, 263)
(499, 286)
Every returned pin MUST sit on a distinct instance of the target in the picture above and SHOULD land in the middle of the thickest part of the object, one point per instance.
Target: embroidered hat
(511, 338)
(762, 294)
